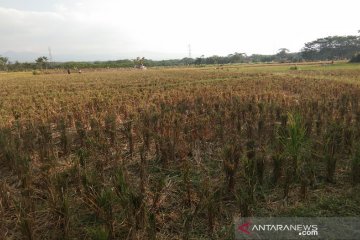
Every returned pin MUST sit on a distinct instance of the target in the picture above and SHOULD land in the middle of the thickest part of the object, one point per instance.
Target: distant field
(176, 153)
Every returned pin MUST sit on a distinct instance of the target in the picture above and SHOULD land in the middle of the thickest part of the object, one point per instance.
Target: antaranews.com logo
(303, 230)
(297, 228)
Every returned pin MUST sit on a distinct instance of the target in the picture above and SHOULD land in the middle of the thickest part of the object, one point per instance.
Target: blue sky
(157, 29)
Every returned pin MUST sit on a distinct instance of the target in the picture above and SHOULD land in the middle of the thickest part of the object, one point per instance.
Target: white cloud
(65, 33)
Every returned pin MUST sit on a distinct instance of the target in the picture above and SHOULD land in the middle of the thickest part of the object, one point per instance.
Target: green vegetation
(355, 58)
(323, 49)
(176, 153)
(332, 48)
(42, 62)
(3, 63)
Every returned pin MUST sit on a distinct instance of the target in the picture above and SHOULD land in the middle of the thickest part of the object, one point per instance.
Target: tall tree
(282, 54)
(41, 62)
(331, 48)
(3, 62)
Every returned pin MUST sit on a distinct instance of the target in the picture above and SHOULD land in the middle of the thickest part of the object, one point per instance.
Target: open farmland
(176, 153)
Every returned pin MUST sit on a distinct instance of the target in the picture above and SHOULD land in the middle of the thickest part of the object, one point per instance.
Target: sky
(163, 29)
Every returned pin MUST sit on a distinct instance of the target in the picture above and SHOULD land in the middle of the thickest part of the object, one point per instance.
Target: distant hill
(21, 56)
(31, 56)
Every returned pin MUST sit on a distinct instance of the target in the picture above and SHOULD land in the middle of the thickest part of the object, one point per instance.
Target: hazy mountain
(21, 56)
(31, 56)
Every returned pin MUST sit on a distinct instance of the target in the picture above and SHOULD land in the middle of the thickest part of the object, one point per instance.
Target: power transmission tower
(50, 57)
(189, 47)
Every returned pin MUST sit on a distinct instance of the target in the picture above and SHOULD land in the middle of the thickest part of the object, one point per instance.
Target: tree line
(328, 48)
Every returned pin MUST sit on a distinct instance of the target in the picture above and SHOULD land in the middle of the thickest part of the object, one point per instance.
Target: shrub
(355, 58)
(36, 72)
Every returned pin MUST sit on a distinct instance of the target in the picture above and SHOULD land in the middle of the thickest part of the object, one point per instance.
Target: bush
(355, 58)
